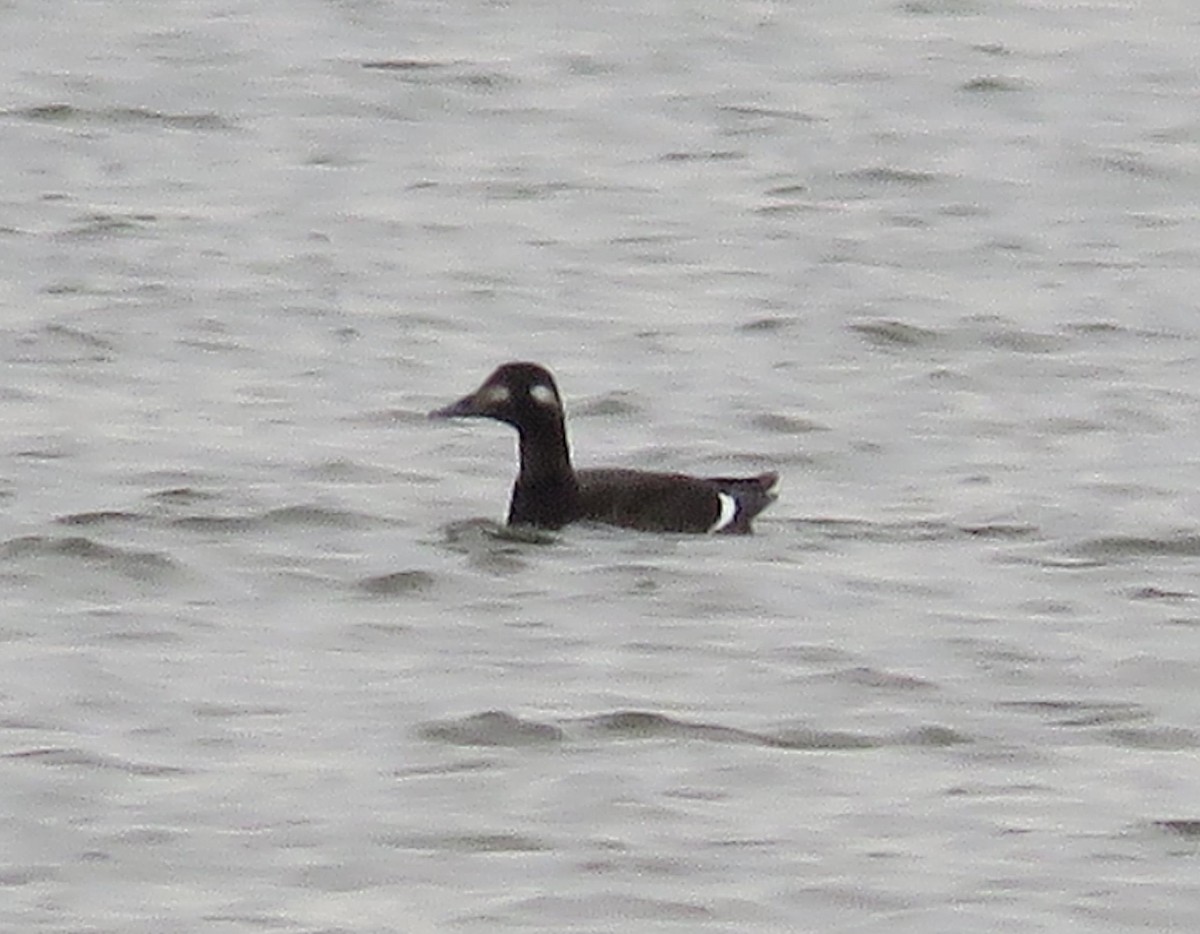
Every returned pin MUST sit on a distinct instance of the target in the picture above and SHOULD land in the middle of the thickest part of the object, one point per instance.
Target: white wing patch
(728, 512)
(543, 395)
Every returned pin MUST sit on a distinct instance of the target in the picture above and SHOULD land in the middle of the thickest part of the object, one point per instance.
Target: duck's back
(670, 502)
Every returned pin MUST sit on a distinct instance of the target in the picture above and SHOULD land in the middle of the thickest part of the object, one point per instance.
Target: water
(264, 663)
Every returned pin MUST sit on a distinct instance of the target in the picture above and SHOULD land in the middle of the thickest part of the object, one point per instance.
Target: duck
(550, 493)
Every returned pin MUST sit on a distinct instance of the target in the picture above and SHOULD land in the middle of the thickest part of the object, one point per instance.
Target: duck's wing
(669, 502)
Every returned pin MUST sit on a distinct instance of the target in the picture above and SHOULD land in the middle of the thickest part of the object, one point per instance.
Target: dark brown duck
(549, 492)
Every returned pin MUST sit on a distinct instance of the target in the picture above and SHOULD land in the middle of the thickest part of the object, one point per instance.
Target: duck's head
(520, 394)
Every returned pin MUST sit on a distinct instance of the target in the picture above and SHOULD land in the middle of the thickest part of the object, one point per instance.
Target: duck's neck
(544, 452)
(546, 493)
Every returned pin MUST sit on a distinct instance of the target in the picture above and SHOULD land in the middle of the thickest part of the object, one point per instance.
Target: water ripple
(141, 565)
(1168, 739)
(1118, 547)
(911, 531)
(1183, 827)
(890, 333)
(119, 116)
(69, 756)
(1073, 713)
(397, 583)
(100, 517)
(492, 728)
(466, 843)
(285, 517)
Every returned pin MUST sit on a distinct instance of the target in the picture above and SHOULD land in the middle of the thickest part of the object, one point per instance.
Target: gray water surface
(266, 664)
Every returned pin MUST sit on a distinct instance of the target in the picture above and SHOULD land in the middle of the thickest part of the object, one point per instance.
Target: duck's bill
(466, 407)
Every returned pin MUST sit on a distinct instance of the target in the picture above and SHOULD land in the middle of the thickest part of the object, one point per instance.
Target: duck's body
(549, 493)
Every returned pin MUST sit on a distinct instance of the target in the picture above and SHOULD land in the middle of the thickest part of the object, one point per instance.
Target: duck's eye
(495, 395)
(543, 395)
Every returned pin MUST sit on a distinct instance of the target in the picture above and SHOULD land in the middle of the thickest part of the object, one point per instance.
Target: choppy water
(264, 665)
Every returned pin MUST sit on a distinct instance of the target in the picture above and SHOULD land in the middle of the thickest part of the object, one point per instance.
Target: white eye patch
(543, 395)
(495, 395)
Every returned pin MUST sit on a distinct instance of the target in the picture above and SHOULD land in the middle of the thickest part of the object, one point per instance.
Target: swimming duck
(549, 493)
